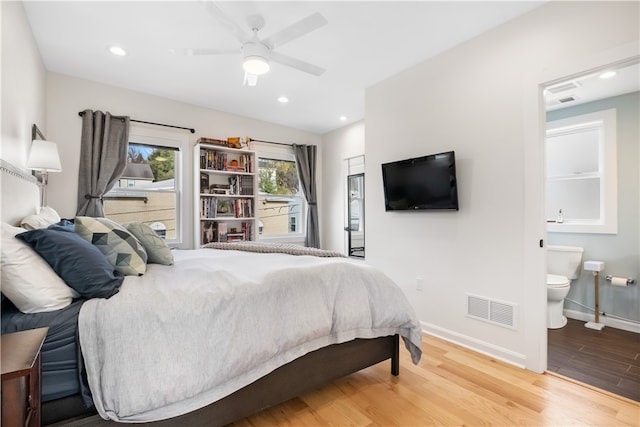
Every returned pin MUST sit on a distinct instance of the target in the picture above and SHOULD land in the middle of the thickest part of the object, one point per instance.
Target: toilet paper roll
(619, 281)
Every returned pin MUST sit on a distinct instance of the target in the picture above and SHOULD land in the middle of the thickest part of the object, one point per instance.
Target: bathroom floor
(608, 359)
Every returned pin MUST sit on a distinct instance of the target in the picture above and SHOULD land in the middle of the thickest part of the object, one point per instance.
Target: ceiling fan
(258, 53)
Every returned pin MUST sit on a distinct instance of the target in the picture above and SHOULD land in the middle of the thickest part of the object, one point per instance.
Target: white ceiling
(590, 86)
(362, 44)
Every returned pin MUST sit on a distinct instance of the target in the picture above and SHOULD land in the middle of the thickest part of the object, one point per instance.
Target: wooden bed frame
(302, 375)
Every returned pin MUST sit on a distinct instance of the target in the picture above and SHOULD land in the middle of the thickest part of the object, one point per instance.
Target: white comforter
(183, 336)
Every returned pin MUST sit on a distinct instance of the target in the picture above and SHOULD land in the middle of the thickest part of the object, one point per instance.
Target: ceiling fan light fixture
(250, 79)
(256, 65)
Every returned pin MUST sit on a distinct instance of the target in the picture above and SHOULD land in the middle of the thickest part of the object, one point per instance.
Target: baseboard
(488, 349)
(607, 321)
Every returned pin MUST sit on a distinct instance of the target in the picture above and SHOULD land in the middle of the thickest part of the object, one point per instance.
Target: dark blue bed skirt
(62, 366)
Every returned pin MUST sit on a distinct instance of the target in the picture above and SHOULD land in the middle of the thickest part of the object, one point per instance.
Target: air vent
(563, 87)
(492, 311)
(566, 99)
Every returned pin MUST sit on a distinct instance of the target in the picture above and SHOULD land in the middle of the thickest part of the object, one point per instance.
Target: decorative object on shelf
(203, 140)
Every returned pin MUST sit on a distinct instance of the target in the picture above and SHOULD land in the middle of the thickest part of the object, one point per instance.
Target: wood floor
(608, 359)
(451, 386)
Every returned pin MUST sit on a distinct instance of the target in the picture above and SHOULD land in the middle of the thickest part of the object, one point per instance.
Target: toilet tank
(564, 260)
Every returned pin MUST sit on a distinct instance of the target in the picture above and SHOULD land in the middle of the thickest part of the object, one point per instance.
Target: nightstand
(21, 389)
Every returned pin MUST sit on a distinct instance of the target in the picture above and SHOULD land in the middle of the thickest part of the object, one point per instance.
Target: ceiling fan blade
(195, 52)
(296, 63)
(299, 29)
(226, 22)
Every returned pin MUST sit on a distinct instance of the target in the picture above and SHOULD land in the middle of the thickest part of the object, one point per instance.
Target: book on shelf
(213, 160)
(211, 231)
(235, 237)
(246, 185)
(243, 208)
(246, 230)
(204, 140)
(207, 232)
(218, 160)
(222, 232)
(219, 191)
(241, 185)
(204, 183)
(216, 207)
(207, 207)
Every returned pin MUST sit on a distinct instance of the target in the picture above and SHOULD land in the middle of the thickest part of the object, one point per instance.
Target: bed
(217, 335)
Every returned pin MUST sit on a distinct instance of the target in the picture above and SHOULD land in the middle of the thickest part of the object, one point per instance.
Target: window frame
(176, 140)
(606, 124)
(281, 152)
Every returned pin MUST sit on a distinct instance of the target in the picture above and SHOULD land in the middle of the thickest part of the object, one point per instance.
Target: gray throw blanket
(273, 248)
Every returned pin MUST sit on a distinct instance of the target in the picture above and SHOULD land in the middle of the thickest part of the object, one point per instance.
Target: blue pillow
(80, 264)
(63, 225)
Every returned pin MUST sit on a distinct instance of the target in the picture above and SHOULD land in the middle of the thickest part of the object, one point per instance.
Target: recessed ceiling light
(343, 118)
(607, 74)
(117, 50)
(283, 99)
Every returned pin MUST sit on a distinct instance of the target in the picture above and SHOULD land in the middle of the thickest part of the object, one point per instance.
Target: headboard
(19, 193)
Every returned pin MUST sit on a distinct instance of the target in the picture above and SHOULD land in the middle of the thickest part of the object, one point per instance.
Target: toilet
(563, 265)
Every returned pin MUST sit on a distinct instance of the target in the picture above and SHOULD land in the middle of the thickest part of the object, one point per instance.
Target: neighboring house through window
(150, 188)
(281, 204)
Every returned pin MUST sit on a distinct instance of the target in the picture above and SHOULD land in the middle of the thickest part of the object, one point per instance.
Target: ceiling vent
(566, 99)
(552, 102)
(563, 87)
(492, 311)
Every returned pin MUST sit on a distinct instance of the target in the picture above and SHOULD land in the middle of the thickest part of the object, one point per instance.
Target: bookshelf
(226, 189)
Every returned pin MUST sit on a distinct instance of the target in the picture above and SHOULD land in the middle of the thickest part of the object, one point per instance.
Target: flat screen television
(422, 183)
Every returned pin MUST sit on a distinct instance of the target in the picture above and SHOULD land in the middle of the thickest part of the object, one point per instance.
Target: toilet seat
(556, 281)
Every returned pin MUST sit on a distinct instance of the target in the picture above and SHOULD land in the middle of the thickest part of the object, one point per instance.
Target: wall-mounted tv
(422, 183)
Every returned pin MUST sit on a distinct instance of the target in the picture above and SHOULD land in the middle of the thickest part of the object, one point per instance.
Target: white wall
(338, 145)
(66, 96)
(476, 99)
(23, 85)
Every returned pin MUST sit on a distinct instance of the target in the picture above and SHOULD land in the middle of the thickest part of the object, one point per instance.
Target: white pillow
(42, 219)
(26, 278)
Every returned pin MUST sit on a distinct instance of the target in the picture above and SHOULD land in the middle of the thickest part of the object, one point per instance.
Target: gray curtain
(103, 157)
(306, 160)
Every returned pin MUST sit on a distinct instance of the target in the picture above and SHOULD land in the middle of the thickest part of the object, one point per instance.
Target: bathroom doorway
(355, 210)
(583, 95)
(354, 219)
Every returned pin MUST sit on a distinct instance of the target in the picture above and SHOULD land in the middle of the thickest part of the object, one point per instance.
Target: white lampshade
(256, 65)
(44, 156)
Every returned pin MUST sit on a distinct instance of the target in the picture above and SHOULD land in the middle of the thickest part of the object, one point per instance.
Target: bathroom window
(581, 185)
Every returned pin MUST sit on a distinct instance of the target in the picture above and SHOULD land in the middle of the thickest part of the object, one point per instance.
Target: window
(149, 189)
(281, 203)
(581, 188)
